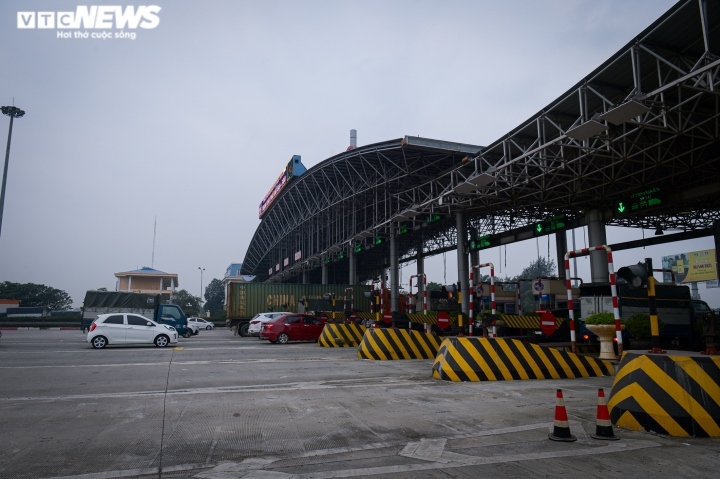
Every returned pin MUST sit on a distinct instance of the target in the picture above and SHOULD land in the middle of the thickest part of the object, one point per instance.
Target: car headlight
(170, 328)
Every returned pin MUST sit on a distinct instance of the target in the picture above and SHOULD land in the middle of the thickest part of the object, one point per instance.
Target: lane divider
(388, 343)
(498, 359)
(667, 394)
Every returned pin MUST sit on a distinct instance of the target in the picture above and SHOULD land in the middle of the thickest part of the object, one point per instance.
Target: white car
(126, 328)
(257, 321)
(193, 327)
(201, 323)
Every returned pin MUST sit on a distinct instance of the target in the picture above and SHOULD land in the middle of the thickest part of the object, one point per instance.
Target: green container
(245, 300)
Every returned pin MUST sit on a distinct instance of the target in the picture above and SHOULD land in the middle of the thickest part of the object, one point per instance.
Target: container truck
(148, 305)
(245, 300)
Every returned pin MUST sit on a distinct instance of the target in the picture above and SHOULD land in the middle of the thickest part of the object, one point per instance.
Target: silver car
(201, 323)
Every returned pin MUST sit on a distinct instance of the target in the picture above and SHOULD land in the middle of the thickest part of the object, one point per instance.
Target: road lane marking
(186, 363)
(311, 385)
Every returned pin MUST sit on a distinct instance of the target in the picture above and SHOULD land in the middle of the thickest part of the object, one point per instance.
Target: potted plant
(638, 325)
(603, 325)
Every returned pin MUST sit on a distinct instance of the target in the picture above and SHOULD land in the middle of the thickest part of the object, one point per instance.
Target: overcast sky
(192, 121)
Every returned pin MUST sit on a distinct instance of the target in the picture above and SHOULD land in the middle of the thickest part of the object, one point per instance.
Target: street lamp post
(13, 112)
(201, 271)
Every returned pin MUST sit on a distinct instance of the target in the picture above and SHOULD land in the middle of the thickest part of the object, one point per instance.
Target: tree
(214, 297)
(433, 286)
(31, 294)
(541, 267)
(188, 303)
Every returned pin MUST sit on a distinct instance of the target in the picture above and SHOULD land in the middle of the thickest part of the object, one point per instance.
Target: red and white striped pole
(492, 295)
(613, 291)
(409, 298)
(411, 302)
(471, 320)
(425, 295)
(616, 306)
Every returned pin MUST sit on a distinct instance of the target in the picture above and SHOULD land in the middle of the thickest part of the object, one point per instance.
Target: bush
(600, 318)
(639, 326)
(42, 319)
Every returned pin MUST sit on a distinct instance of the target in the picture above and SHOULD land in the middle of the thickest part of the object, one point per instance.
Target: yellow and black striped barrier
(422, 318)
(498, 359)
(525, 321)
(341, 336)
(667, 394)
(390, 343)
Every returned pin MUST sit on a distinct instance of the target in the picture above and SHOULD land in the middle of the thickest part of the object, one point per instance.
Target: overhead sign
(482, 242)
(433, 217)
(639, 201)
(550, 225)
(690, 267)
(547, 323)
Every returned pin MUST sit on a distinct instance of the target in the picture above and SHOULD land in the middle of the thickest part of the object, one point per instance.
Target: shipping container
(245, 300)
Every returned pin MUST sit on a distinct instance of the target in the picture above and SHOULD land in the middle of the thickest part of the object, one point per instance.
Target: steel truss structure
(648, 119)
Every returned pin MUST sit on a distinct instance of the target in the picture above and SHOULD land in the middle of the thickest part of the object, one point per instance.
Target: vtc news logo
(93, 17)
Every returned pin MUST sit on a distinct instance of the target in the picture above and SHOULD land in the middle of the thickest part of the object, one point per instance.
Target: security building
(148, 280)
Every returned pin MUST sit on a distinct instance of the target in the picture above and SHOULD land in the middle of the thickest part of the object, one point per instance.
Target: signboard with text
(690, 267)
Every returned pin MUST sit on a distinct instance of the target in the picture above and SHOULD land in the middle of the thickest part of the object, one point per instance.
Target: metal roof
(643, 126)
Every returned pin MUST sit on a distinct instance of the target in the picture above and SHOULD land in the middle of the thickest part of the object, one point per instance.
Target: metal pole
(13, 112)
(5, 172)
(201, 283)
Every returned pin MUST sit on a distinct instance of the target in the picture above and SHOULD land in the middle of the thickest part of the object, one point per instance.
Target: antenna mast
(152, 262)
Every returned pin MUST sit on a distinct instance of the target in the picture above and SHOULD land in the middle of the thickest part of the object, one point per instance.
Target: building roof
(146, 270)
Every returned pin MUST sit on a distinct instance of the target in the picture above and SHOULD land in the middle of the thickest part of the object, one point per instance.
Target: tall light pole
(201, 270)
(13, 112)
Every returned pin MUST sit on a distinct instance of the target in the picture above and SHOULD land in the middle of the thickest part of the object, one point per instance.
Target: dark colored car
(292, 327)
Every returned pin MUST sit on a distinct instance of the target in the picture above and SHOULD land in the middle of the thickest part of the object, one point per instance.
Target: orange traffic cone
(561, 429)
(603, 429)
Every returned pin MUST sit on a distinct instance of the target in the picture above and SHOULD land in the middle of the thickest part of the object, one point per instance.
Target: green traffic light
(621, 207)
(539, 227)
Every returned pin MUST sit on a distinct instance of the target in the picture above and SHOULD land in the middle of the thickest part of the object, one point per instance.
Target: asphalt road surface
(219, 406)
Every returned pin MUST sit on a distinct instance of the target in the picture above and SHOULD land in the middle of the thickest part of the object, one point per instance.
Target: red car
(292, 327)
